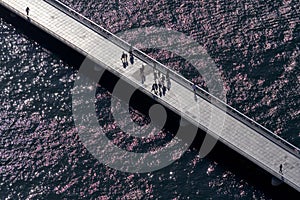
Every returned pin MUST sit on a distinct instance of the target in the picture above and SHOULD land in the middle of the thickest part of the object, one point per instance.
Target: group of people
(161, 84)
(125, 60)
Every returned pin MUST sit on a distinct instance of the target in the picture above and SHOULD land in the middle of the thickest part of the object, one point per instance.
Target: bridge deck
(247, 141)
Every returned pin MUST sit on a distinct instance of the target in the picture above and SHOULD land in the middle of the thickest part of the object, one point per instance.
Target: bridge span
(240, 133)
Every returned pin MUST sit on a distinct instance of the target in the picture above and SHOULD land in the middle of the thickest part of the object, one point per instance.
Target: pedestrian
(194, 87)
(154, 88)
(124, 65)
(27, 11)
(280, 168)
(142, 74)
(143, 68)
(126, 58)
(163, 79)
(164, 89)
(159, 84)
(143, 79)
(168, 84)
(155, 75)
(131, 58)
(123, 57)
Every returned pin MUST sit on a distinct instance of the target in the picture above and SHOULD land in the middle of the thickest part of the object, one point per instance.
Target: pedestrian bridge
(240, 133)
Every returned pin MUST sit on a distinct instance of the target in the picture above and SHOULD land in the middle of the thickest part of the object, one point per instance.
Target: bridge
(242, 134)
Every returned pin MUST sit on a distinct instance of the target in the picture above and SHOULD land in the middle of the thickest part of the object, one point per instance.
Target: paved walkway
(242, 138)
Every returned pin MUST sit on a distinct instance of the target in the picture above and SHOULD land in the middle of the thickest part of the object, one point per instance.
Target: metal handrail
(180, 79)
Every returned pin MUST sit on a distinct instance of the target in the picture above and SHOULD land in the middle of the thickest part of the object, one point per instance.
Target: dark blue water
(255, 45)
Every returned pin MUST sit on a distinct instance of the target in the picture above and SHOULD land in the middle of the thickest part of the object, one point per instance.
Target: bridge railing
(176, 77)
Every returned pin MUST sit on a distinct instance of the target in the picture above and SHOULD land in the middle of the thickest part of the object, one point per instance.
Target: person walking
(163, 79)
(168, 84)
(164, 89)
(124, 65)
(168, 80)
(155, 75)
(124, 59)
(142, 74)
(154, 88)
(131, 58)
(280, 169)
(194, 87)
(27, 11)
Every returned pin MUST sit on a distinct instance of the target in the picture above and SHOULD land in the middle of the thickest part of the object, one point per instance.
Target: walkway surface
(245, 139)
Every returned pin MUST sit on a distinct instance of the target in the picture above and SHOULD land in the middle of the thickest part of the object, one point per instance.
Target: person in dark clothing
(124, 60)
(123, 57)
(27, 11)
(194, 87)
(154, 88)
(164, 89)
(280, 168)
(124, 65)
(131, 58)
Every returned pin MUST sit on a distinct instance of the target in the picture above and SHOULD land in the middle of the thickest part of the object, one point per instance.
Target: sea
(256, 47)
